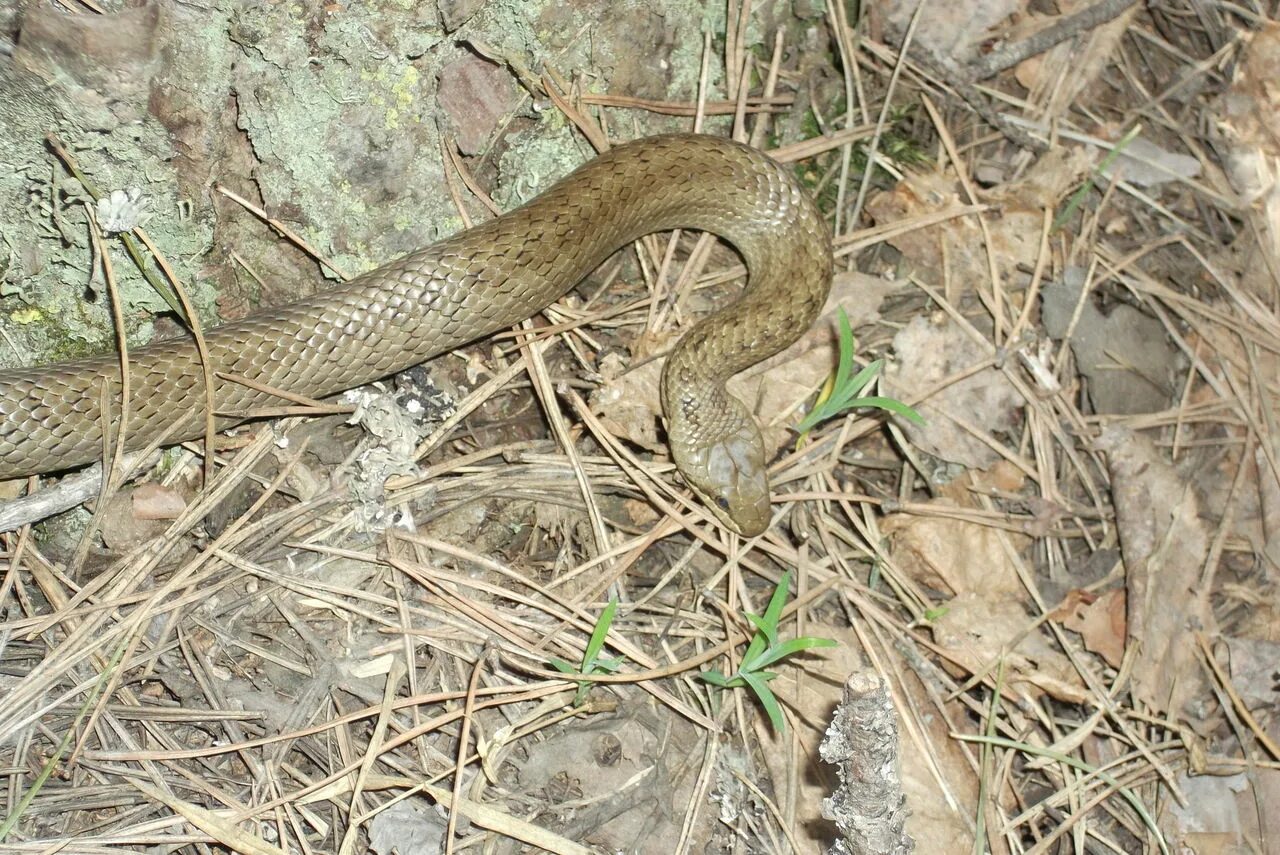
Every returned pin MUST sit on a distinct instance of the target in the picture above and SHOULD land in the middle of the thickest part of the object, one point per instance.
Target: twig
(869, 806)
(1011, 53)
(957, 78)
(68, 493)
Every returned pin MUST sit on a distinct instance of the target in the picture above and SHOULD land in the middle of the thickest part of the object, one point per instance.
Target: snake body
(471, 285)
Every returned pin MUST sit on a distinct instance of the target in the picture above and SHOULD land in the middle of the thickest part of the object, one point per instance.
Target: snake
(471, 285)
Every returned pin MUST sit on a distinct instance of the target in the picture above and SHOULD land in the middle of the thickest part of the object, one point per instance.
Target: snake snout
(729, 476)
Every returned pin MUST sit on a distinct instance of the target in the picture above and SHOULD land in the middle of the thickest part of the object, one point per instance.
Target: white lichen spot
(388, 450)
(123, 210)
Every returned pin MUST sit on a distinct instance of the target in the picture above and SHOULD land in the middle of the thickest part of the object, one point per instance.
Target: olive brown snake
(471, 285)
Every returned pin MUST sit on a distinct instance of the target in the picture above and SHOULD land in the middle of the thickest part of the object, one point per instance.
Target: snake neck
(785, 292)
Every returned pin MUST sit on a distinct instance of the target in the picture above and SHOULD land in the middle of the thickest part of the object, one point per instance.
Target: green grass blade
(767, 700)
(715, 678)
(846, 349)
(598, 635)
(788, 648)
(893, 406)
(773, 612)
(766, 629)
(865, 376)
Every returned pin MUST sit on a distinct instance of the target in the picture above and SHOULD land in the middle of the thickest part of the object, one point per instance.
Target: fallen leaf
(407, 826)
(1254, 666)
(1126, 356)
(1219, 816)
(1056, 78)
(1164, 544)
(955, 29)
(1100, 621)
(1146, 164)
(977, 632)
(951, 555)
(961, 253)
(1248, 133)
(928, 352)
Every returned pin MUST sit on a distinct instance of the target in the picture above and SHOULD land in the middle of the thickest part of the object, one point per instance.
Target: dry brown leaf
(1214, 843)
(1220, 816)
(951, 555)
(1249, 133)
(1126, 356)
(1164, 544)
(919, 195)
(1100, 621)
(1269, 500)
(1002, 476)
(628, 403)
(640, 513)
(1056, 78)
(956, 29)
(1255, 675)
(1255, 507)
(1261, 621)
(978, 631)
(957, 252)
(928, 352)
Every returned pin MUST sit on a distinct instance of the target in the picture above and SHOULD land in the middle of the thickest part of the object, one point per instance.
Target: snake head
(728, 474)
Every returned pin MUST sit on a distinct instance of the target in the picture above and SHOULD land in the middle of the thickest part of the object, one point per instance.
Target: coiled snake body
(473, 284)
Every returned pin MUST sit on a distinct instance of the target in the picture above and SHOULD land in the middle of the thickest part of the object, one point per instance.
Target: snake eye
(722, 502)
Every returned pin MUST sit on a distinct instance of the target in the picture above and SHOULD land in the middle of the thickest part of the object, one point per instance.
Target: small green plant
(842, 393)
(935, 614)
(763, 651)
(591, 661)
(896, 143)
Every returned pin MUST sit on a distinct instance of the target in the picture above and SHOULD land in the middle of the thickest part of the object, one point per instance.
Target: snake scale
(475, 283)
